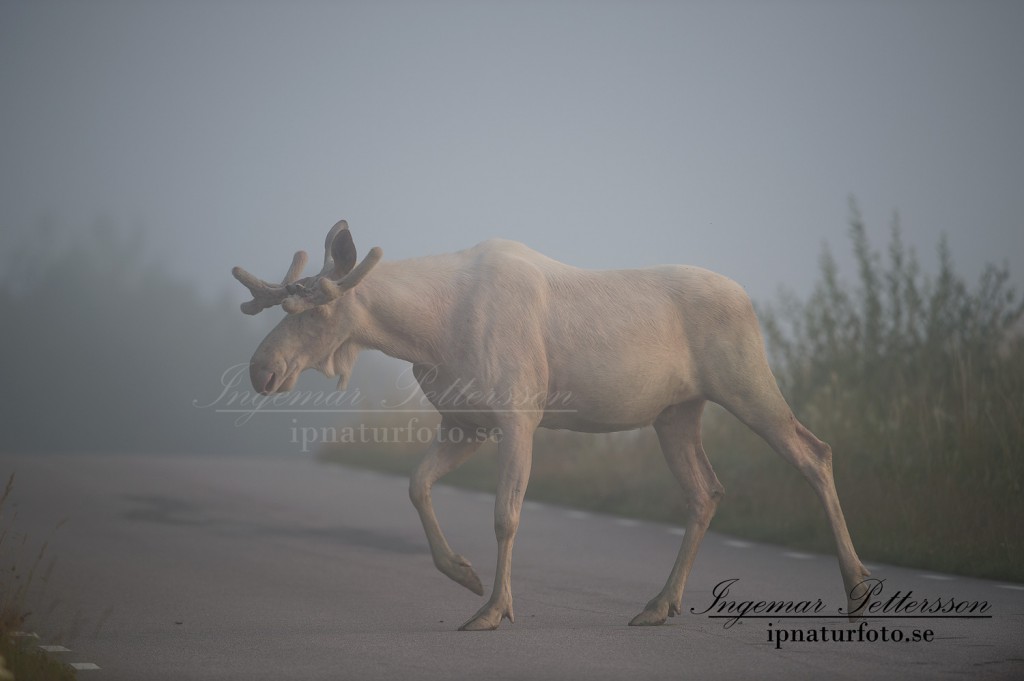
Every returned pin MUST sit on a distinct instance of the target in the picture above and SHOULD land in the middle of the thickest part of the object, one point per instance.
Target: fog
(605, 134)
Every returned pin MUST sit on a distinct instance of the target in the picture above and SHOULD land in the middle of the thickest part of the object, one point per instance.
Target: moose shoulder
(544, 344)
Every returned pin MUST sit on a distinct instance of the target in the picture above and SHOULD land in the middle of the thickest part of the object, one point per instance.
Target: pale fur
(503, 337)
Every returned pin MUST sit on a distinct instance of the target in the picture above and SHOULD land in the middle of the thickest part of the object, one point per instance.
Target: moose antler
(329, 288)
(265, 294)
(337, 276)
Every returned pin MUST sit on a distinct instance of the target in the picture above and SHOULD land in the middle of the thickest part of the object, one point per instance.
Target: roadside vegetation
(20, 562)
(915, 379)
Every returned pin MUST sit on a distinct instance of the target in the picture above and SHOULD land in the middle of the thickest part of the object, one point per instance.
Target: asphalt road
(233, 568)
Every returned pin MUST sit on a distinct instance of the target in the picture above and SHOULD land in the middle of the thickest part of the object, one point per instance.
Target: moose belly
(614, 399)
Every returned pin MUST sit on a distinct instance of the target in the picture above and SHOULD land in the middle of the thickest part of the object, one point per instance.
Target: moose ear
(343, 252)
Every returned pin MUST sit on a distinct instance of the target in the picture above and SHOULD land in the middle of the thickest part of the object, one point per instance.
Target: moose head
(317, 331)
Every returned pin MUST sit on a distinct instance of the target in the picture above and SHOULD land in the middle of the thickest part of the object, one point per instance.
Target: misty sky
(605, 134)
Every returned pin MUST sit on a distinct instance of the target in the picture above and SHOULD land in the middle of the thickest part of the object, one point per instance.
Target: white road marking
(797, 555)
(578, 515)
(24, 634)
(626, 522)
(533, 505)
(678, 531)
(55, 649)
(937, 578)
(81, 666)
(1013, 587)
(738, 544)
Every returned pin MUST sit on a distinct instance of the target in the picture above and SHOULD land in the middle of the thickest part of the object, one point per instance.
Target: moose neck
(405, 308)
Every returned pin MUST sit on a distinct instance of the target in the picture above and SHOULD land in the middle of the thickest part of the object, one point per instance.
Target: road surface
(285, 568)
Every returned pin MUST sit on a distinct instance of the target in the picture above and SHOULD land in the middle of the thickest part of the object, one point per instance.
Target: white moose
(621, 349)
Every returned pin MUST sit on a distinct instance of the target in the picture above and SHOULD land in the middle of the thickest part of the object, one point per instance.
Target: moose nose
(262, 379)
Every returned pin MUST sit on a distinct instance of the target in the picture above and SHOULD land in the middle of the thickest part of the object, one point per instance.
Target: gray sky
(605, 134)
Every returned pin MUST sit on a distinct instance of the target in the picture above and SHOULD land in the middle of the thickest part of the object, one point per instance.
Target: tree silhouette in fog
(103, 349)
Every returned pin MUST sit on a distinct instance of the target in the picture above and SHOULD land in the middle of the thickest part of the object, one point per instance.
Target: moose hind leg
(814, 459)
(678, 429)
(767, 414)
(446, 454)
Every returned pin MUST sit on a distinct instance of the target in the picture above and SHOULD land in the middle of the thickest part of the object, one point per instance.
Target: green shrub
(917, 382)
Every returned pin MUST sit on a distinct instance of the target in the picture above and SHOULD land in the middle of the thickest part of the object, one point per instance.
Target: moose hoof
(461, 572)
(488, 618)
(855, 591)
(655, 613)
(648, 618)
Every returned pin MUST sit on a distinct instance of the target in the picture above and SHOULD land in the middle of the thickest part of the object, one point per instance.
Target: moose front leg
(449, 450)
(678, 430)
(515, 452)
